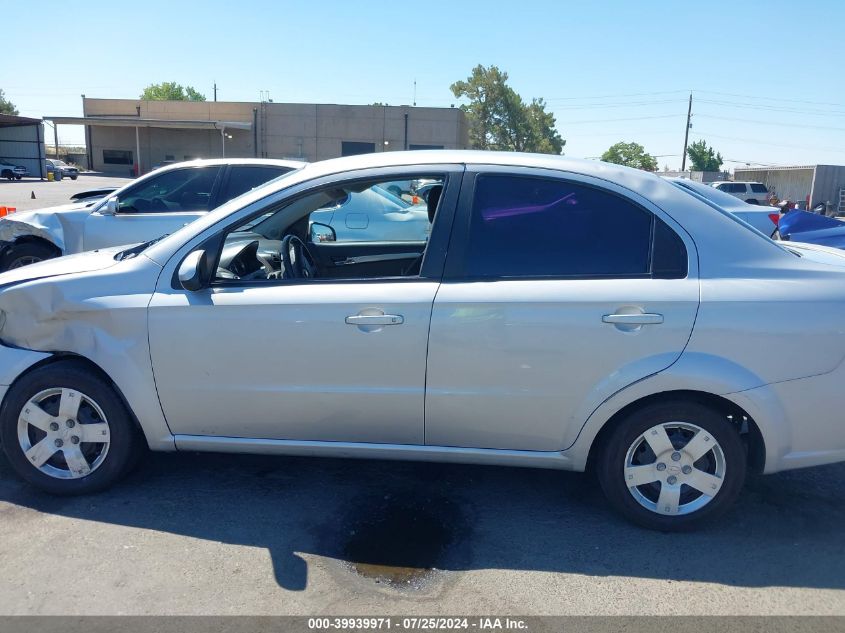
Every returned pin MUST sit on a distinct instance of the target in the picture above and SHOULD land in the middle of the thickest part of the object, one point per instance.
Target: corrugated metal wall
(829, 180)
(20, 146)
(788, 183)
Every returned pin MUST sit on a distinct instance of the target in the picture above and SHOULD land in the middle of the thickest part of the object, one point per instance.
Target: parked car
(61, 167)
(375, 213)
(750, 192)
(562, 313)
(802, 226)
(10, 170)
(764, 219)
(157, 203)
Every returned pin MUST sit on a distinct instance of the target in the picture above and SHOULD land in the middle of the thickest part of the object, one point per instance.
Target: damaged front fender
(62, 226)
(100, 315)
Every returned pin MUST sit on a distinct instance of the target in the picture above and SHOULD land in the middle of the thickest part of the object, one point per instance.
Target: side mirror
(110, 207)
(321, 233)
(191, 273)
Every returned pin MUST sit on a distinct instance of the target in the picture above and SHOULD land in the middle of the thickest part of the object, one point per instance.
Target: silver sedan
(557, 314)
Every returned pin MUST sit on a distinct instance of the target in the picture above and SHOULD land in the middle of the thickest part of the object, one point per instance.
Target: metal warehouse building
(21, 143)
(814, 184)
(127, 134)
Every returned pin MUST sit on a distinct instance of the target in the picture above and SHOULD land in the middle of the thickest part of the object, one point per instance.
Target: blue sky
(768, 78)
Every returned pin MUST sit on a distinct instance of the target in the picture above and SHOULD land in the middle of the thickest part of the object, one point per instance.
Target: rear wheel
(24, 254)
(66, 431)
(672, 466)
(753, 201)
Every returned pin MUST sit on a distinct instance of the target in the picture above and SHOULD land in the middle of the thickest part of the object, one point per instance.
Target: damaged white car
(560, 314)
(154, 205)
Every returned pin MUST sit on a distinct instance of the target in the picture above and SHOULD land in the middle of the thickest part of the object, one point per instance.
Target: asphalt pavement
(18, 193)
(233, 534)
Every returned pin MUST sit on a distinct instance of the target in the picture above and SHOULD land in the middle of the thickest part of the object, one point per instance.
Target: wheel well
(59, 357)
(34, 239)
(745, 424)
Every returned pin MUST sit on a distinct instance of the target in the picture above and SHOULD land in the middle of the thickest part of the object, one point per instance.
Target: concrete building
(21, 143)
(127, 134)
(812, 184)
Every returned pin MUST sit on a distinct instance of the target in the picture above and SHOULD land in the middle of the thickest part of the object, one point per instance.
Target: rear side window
(242, 178)
(758, 188)
(537, 227)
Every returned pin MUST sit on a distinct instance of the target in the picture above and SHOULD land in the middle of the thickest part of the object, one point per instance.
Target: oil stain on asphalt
(402, 541)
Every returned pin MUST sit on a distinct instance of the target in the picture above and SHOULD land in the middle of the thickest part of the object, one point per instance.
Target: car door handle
(633, 319)
(375, 319)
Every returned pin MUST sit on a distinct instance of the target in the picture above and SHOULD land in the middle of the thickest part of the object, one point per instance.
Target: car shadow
(390, 520)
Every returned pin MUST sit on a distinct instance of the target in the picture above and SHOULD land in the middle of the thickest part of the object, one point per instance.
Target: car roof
(473, 157)
(273, 162)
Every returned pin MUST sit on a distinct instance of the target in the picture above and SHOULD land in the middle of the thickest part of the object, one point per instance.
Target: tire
(25, 253)
(752, 201)
(74, 177)
(107, 461)
(18, 177)
(722, 465)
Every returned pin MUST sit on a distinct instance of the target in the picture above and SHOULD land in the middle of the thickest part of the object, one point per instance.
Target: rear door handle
(633, 319)
(375, 319)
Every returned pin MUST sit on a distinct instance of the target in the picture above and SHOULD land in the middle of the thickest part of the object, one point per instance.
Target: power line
(617, 96)
(639, 118)
(773, 123)
(784, 145)
(778, 99)
(755, 106)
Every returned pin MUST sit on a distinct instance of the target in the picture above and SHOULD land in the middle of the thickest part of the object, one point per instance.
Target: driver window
(178, 190)
(357, 230)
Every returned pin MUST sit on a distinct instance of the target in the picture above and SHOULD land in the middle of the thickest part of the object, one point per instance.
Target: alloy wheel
(63, 433)
(24, 261)
(674, 468)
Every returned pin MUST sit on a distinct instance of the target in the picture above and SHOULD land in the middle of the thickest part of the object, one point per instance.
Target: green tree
(630, 155)
(6, 106)
(703, 158)
(170, 91)
(500, 119)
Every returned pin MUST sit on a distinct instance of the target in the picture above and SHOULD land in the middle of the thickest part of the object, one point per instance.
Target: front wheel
(74, 177)
(672, 466)
(24, 254)
(65, 430)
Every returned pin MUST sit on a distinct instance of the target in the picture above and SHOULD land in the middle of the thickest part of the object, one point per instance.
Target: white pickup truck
(160, 202)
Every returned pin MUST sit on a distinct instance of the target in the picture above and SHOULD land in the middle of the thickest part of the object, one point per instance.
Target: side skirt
(360, 450)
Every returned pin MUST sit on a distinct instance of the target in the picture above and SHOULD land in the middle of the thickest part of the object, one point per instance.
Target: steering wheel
(157, 204)
(297, 260)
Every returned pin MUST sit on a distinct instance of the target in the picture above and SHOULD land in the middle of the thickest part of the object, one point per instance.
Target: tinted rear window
(757, 188)
(537, 227)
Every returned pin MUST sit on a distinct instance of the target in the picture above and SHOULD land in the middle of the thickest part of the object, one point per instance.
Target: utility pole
(215, 91)
(686, 135)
